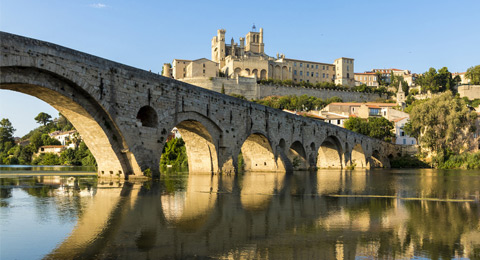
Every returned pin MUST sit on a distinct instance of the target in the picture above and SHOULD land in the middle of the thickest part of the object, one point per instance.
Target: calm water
(381, 214)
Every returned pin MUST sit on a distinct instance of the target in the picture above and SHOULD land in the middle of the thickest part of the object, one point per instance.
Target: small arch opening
(147, 116)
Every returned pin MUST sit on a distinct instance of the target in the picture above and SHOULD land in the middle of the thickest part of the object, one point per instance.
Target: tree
(357, 125)
(43, 118)
(380, 128)
(6, 134)
(473, 73)
(375, 127)
(441, 124)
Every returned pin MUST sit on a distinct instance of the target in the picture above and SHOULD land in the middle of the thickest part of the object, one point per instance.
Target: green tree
(43, 118)
(375, 127)
(380, 128)
(441, 124)
(357, 125)
(473, 73)
(6, 135)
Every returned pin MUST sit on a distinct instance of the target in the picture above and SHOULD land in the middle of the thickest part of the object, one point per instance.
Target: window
(317, 74)
(301, 73)
(301, 64)
(308, 73)
(203, 71)
(404, 141)
(295, 72)
(316, 66)
(384, 113)
(402, 133)
(327, 76)
(307, 66)
(374, 78)
(413, 142)
(348, 67)
(338, 122)
(289, 69)
(348, 75)
(323, 75)
(324, 67)
(294, 64)
(204, 65)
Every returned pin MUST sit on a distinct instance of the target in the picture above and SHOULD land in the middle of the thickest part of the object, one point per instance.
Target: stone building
(369, 78)
(248, 59)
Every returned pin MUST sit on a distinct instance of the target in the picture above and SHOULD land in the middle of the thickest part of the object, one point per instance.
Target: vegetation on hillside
(323, 85)
(10, 153)
(473, 73)
(298, 103)
(442, 125)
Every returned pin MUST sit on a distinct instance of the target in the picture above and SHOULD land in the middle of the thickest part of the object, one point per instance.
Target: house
(400, 136)
(55, 149)
(66, 138)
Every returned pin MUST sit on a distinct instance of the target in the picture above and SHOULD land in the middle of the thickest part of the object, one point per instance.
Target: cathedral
(248, 59)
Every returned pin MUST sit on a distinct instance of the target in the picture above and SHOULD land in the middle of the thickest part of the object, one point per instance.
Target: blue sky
(413, 35)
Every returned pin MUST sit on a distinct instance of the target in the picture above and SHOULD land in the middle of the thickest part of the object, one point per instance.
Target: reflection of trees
(437, 227)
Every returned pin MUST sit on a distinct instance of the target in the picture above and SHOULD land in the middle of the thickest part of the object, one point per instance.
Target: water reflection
(330, 214)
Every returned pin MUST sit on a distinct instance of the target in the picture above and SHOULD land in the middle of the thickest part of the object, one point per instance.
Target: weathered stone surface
(125, 115)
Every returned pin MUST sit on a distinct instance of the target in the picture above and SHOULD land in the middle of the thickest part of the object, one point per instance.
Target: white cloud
(98, 5)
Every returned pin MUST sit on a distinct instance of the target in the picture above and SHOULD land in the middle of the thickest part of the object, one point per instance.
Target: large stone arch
(297, 156)
(277, 72)
(330, 153)
(284, 73)
(263, 74)
(201, 136)
(237, 72)
(258, 154)
(98, 130)
(255, 73)
(358, 157)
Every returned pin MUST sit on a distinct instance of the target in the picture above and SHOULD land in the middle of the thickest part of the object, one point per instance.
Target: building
(463, 80)
(55, 149)
(369, 78)
(194, 68)
(66, 138)
(368, 110)
(248, 59)
(400, 136)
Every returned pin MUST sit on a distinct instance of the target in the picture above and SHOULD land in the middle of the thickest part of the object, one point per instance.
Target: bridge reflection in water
(330, 214)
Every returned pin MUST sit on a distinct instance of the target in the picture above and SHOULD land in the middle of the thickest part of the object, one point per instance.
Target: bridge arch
(330, 153)
(98, 130)
(147, 116)
(258, 154)
(297, 156)
(358, 156)
(201, 136)
(376, 160)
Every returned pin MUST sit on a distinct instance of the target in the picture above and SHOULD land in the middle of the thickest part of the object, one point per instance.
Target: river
(330, 214)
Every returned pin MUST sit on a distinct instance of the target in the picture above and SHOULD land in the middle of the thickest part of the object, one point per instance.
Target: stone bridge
(125, 116)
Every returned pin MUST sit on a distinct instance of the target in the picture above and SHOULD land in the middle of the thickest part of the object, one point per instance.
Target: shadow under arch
(376, 160)
(92, 121)
(330, 153)
(358, 156)
(297, 156)
(201, 149)
(201, 136)
(258, 154)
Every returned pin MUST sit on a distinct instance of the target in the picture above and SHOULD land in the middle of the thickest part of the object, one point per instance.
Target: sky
(413, 35)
